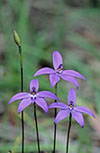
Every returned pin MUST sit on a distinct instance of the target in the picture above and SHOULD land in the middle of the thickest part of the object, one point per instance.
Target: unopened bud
(16, 38)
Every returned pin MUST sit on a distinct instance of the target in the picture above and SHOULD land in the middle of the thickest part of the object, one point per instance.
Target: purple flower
(76, 112)
(33, 97)
(58, 73)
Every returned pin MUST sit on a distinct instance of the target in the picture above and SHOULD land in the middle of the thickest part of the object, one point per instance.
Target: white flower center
(33, 96)
(71, 107)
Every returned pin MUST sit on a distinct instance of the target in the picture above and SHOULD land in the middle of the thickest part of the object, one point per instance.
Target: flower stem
(70, 116)
(18, 43)
(22, 114)
(35, 117)
(55, 125)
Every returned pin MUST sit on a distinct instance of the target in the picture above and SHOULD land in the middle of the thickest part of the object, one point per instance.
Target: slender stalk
(18, 43)
(35, 117)
(70, 116)
(55, 125)
(22, 114)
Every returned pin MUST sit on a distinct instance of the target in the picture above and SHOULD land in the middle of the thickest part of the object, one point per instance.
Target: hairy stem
(68, 133)
(35, 117)
(55, 126)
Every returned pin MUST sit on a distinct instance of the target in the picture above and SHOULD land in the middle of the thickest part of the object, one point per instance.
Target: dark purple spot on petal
(31, 98)
(34, 98)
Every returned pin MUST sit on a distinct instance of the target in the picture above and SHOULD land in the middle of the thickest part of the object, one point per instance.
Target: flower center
(71, 105)
(33, 97)
(60, 69)
(33, 93)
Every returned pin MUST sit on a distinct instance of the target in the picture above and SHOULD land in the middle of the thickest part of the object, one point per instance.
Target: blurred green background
(71, 27)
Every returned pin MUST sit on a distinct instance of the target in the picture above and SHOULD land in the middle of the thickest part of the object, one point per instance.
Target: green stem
(70, 116)
(35, 117)
(55, 126)
(22, 114)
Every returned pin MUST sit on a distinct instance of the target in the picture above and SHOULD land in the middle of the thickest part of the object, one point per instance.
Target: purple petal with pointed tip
(70, 79)
(34, 84)
(19, 96)
(47, 94)
(61, 115)
(23, 104)
(53, 79)
(74, 74)
(57, 59)
(83, 109)
(71, 97)
(45, 70)
(78, 117)
(42, 103)
(58, 105)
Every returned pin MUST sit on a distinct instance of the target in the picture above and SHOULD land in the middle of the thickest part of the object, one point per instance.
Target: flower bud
(16, 38)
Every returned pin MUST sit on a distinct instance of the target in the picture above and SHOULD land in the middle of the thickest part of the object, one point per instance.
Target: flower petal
(45, 70)
(57, 59)
(23, 104)
(78, 117)
(42, 103)
(47, 94)
(58, 105)
(19, 96)
(83, 109)
(34, 85)
(71, 97)
(70, 79)
(53, 79)
(61, 115)
(74, 74)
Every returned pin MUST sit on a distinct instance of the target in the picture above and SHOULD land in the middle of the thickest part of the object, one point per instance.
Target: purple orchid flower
(33, 97)
(58, 73)
(76, 112)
